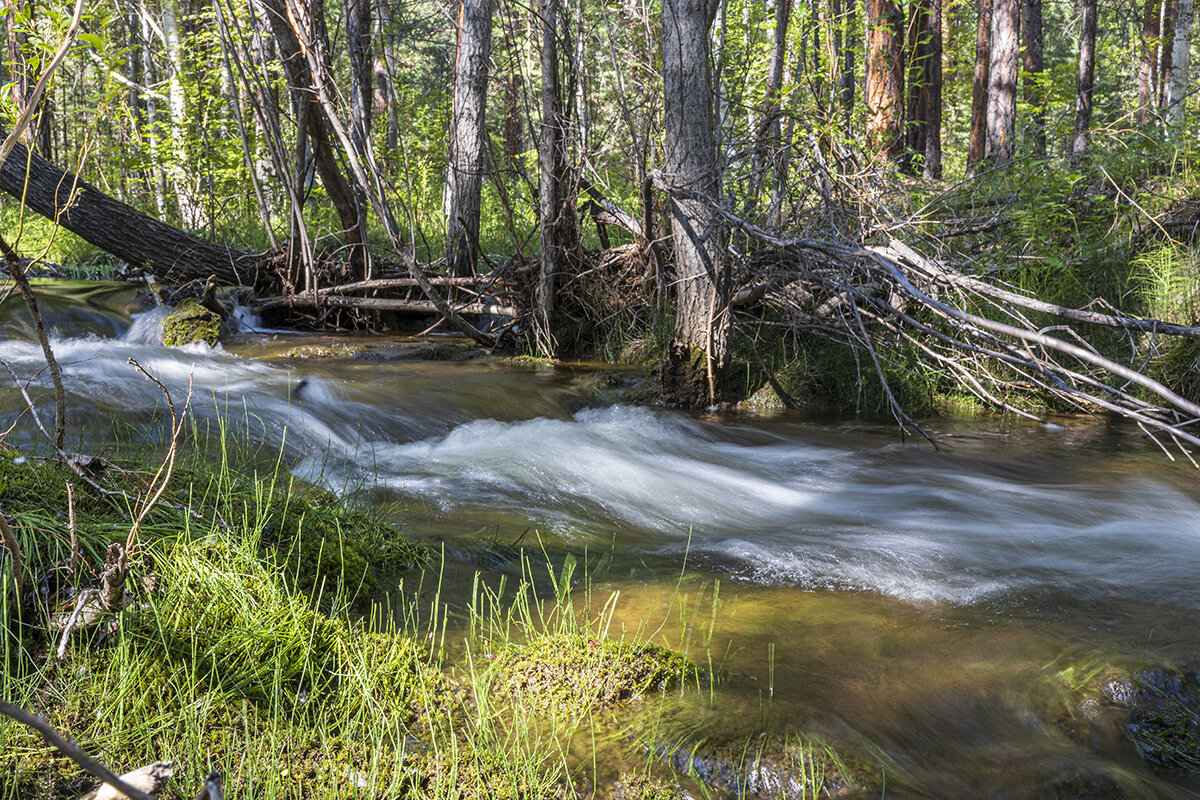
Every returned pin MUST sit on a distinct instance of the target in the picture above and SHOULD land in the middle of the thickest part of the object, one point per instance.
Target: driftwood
(384, 304)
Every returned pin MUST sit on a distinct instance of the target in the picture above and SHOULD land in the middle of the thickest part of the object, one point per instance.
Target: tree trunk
(849, 48)
(1180, 60)
(977, 143)
(767, 128)
(358, 44)
(465, 166)
(191, 212)
(1166, 52)
(925, 88)
(1087, 75)
(1035, 64)
(1002, 81)
(702, 323)
(314, 125)
(1148, 60)
(885, 81)
(552, 199)
(115, 228)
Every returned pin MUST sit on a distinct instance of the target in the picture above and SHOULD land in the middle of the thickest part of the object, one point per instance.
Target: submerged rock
(770, 769)
(1164, 716)
(191, 322)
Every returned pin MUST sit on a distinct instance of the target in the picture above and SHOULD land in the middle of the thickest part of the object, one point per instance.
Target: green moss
(191, 322)
(567, 673)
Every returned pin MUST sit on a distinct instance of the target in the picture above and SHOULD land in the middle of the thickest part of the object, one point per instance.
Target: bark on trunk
(1035, 64)
(128, 234)
(1148, 60)
(977, 143)
(1180, 60)
(1002, 81)
(552, 199)
(885, 81)
(1087, 74)
(925, 88)
(702, 319)
(465, 166)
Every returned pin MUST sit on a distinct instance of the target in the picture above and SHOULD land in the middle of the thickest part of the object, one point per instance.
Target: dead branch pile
(993, 341)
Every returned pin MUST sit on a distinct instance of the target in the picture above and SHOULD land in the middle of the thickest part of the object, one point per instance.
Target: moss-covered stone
(568, 673)
(191, 322)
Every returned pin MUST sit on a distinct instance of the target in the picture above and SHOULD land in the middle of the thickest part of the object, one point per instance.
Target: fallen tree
(993, 341)
(116, 228)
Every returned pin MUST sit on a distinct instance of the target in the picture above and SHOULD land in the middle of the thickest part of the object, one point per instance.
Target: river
(928, 607)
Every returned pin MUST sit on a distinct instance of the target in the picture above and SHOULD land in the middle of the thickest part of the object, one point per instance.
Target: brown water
(928, 609)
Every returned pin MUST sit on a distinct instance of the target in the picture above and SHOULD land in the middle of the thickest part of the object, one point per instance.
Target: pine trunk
(977, 143)
(1002, 81)
(1087, 75)
(885, 81)
(1035, 64)
(551, 200)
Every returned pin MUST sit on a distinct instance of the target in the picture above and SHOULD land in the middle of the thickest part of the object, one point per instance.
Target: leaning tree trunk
(310, 15)
(1180, 58)
(977, 142)
(464, 168)
(1087, 79)
(698, 357)
(1002, 81)
(885, 81)
(1148, 60)
(118, 229)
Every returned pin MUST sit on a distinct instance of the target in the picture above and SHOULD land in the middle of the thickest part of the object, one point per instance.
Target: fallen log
(116, 228)
(382, 304)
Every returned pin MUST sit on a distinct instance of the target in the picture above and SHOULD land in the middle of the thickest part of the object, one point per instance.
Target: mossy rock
(191, 322)
(765, 400)
(573, 672)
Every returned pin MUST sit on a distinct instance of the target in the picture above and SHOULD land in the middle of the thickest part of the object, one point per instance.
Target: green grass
(255, 645)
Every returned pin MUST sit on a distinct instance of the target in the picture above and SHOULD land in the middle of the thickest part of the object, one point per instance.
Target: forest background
(713, 184)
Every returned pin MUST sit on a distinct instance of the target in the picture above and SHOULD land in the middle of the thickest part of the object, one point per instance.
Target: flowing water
(928, 608)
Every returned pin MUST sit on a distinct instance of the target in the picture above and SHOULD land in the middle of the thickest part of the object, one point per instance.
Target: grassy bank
(255, 644)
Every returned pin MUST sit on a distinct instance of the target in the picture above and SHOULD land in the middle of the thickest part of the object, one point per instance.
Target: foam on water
(769, 507)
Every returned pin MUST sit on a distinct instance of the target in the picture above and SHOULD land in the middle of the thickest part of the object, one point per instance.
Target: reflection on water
(873, 590)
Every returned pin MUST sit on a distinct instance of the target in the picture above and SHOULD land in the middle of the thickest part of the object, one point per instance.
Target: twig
(14, 551)
(158, 484)
(71, 750)
(74, 562)
(81, 602)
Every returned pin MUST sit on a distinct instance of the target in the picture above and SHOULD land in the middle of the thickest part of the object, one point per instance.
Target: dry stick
(14, 551)
(167, 467)
(72, 751)
(73, 564)
(15, 269)
(1033, 337)
(81, 602)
